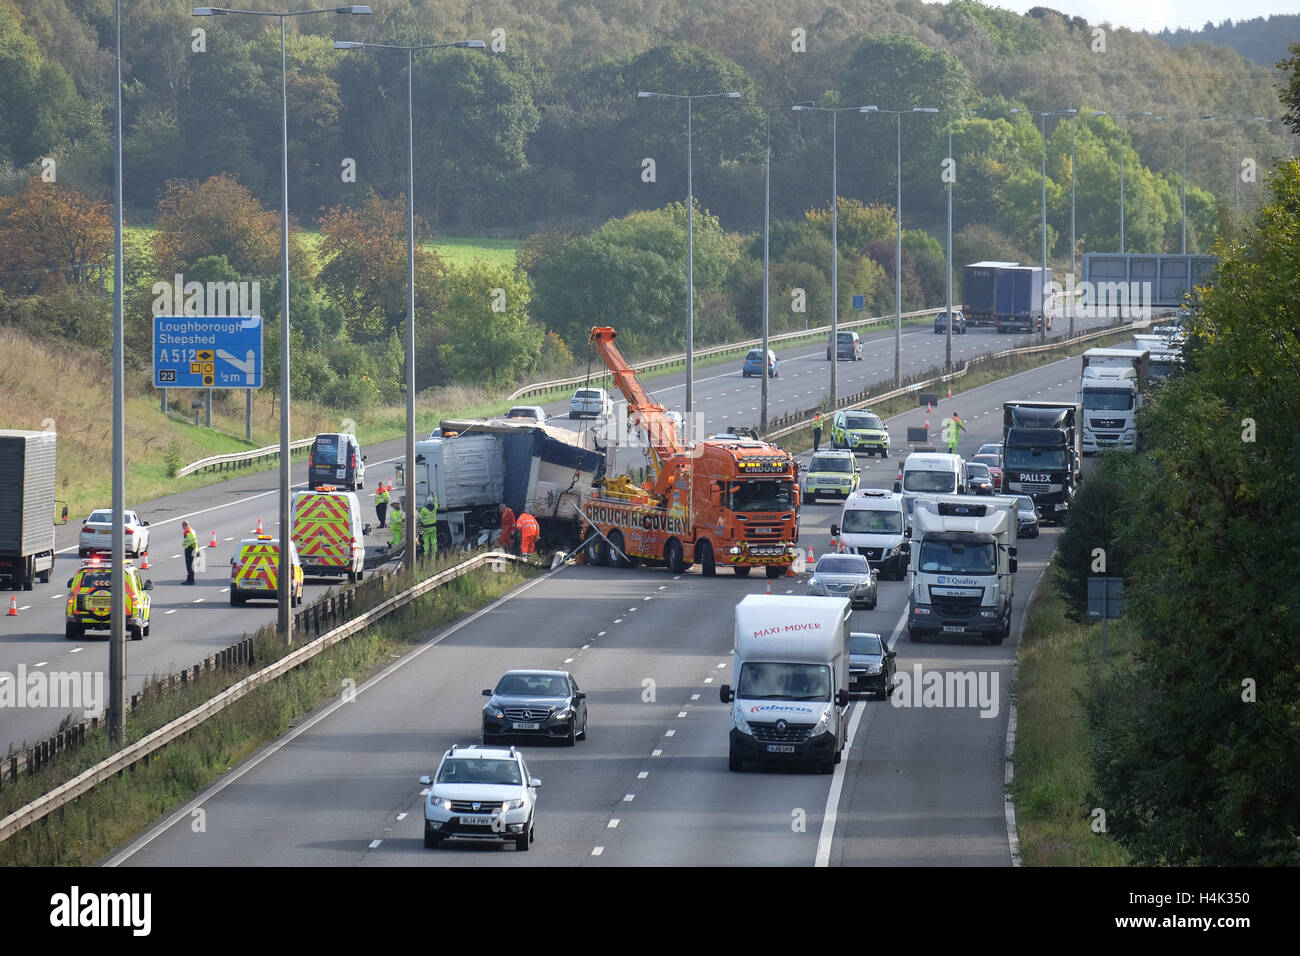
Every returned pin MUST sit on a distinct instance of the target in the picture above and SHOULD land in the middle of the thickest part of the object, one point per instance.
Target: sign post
(198, 351)
(1105, 601)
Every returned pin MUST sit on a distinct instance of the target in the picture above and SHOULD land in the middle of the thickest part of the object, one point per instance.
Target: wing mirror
(841, 698)
(487, 693)
(726, 694)
(534, 783)
(148, 585)
(835, 531)
(425, 781)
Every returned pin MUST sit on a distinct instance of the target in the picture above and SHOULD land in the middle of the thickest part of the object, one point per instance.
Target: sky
(1155, 15)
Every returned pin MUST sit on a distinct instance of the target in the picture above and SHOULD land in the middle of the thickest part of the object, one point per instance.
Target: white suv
(590, 401)
(480, 793)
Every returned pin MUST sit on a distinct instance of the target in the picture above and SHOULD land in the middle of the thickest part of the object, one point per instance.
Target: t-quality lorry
(963, 565)
(789, 702)
(1042, 454)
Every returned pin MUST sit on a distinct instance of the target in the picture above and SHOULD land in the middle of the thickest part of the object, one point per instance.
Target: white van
(874, 524)
(790, 701)
(328, 533)
(931, 473)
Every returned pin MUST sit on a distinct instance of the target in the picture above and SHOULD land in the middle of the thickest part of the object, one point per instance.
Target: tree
(364, 251)
(490, 337)
(51, 236)
(857, 223)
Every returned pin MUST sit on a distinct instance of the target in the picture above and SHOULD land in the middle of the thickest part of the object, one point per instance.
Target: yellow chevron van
(328, 533)
(255, 571)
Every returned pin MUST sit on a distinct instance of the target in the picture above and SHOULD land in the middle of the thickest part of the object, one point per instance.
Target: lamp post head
(924, 109)
(471, 44)
(347, 45)
(208, 12)
(732, 96)
(868, 109)
(643, 95)
(356, 9)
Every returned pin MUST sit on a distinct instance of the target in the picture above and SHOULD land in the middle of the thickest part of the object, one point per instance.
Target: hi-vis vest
(322, 529)
(257, 568)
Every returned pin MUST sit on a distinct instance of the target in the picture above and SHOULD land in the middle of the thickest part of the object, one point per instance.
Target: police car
(255, 569)
(860, 431)
(830, 473)
(90, 595)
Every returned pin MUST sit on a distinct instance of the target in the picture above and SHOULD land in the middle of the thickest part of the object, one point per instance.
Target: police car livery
(90, 596)
(255, 570)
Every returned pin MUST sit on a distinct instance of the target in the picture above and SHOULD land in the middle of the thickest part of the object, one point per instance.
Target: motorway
(918, 786)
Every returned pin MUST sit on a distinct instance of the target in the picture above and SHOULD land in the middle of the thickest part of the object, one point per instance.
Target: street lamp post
(408, 560)
(283, 622)
(690, 252)
(947, 350)
(1073, 274)
(117, 580)
(1043, 205)
(898, 238)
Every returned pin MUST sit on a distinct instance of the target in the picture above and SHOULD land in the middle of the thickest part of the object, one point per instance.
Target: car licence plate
(519, 726)
(476, 821)
(954, 628)
(780, 748)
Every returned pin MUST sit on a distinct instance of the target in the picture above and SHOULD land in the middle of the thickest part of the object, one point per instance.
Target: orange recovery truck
(722, 501)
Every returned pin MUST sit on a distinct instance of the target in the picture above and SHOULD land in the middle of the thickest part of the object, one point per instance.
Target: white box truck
(790, 700)
(963, 564)
(27, 504)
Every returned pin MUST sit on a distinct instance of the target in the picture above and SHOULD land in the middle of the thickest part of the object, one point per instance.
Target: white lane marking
(76, 650)
(619, 621)
(722, 665)
(185, 812)
(25, 607)
(656, 752)
(646, 598)
(612, 824)
(175, 555)
(662, 586)
(629, 797)
(375, 843)
(402, 815)
(601, 633)
(40, 663)
(695, 696)
(585, 646)
(643, 774)
(597, 850)
(172, 611)
(681, 713)
(55, 597)
(568, 660)
(199, 600)
(670, 733)
(708, 680)
(227, 539)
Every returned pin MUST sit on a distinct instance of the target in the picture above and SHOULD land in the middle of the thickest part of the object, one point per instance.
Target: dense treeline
(543, 136)
(1262, 39)
(1197, 733)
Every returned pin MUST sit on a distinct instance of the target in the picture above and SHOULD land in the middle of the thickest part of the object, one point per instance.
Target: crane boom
(661, 431)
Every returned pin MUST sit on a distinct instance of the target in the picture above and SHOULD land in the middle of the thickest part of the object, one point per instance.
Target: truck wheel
(741, 572)
(775, 571)
(137, 633)
(73, 632)
(597, 552)
(826, 766)
(704, 554)
(673, 557)
(734, 763)
(915, 637)
(613, 548)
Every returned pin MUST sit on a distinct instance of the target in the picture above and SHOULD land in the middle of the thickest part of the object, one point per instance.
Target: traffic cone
(834, 545)
(810, 559)
(950, 391)
(213, 544)
(769, 585)
(13, 607)
(927, 407)
(144, 562)
(259, 526)
(789, 570)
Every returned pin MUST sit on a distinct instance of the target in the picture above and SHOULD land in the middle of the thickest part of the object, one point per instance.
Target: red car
(995, 469)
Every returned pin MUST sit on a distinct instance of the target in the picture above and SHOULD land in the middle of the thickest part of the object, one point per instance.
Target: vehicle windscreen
(769, 495)
(765, 680)
(1107, 399)
(949, 557)
(520, 412)
(755, 355)
(862, 421)
(827, 463)
(845, 564)
(990, 461)
(532, 685)
(930, 482)
(325, 451)
(96, 579)
(469, 770)
(872, 522)
(1160, 369)
(1024, 503)
(1037, 459)
(865, 644)
(976, 470)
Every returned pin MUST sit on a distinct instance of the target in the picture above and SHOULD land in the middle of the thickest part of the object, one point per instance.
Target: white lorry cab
(791, 694)
(963, 564)
(873, 524)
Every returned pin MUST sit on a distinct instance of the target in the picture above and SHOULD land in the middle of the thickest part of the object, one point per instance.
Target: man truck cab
(790, 700)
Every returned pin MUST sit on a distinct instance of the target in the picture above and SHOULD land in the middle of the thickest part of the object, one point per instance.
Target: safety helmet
(428, 502)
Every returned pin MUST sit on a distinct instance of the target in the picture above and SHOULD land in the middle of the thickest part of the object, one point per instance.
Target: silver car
(1026, 517)
(591, 402)
(480, 793)
(844, 575)
(97, 534)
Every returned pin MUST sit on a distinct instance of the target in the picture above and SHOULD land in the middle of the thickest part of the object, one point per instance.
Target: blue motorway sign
(202, 351)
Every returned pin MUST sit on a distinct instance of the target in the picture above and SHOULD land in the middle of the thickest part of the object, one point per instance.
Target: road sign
(202, 351)
(859, 302)
(1105, 597)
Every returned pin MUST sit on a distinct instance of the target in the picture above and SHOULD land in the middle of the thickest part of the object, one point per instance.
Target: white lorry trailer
(790, 699)
(27, 461)
(962, 566)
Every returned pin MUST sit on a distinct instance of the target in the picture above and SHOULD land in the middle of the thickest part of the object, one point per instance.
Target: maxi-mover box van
(791, 694)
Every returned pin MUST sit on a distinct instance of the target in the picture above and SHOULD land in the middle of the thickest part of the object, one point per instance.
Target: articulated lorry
(1042, 454)
(962, 566)
(1165, 351)
(27, 503)
(524, 465)
(789, 702)
(1111, 391)
(1006, 295)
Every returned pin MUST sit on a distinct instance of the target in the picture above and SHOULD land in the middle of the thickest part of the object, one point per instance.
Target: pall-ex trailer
(27, 461)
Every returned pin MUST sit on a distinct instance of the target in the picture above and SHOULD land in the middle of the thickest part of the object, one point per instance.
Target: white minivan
(791, 696)
(931, 473)
(874, 524)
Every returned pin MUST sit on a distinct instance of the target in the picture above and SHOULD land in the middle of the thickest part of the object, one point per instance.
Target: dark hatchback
(871, 667)
(535, 704)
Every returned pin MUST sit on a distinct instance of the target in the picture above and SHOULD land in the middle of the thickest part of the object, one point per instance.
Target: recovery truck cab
(963, 564)
(328, 533)
(255, 569)
(790, 700)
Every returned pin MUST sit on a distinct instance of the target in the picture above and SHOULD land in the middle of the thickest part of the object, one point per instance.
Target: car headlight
(564, 713)
(734, 549)
(738, 717)
(440, 802)
(517, 804)
(823, 725)
(814, 583)
(873, 668)
(494, 711)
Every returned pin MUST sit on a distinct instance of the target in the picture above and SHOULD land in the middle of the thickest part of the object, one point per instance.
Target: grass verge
(1053, 773)
(83, 832)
